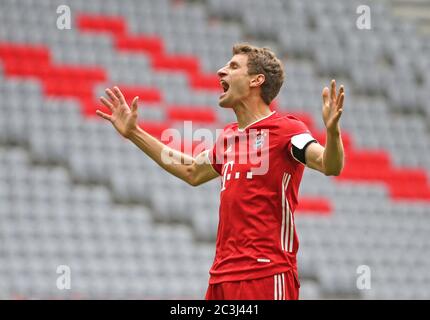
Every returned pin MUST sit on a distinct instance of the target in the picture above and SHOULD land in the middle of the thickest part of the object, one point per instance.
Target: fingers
(119, 95)
(338, 115)
(106, 103)
(112, 97)
(326, 100)
(104, 115)
(333, 90)
(340, 104)
(340, 101)
(341, 90)
(134, 104)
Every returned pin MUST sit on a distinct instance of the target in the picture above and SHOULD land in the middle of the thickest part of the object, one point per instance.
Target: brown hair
(263, 61)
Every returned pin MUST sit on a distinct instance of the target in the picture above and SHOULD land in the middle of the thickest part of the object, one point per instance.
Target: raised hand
(123, 118)
(332, 107)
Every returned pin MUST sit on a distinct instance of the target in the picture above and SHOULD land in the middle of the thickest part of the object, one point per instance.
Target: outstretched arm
(329, 159)
(194, 171)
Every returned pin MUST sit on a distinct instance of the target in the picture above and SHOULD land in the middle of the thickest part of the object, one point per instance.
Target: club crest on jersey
(259, 141)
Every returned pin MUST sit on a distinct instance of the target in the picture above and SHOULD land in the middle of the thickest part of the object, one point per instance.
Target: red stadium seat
(150, 45)
(154, 128)
(25, 68)
(184, 113)
(113, 25)
(175, 63)
(314, 205)
(149, 95)
(408, 183)
(346, 139)
(78, 73)
(24, 52)
(154, 47)
(205, 81)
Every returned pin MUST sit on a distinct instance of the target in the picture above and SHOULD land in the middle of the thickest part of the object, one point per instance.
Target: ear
(257, 80)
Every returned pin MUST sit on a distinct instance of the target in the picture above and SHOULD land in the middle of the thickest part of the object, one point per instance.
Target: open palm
(332, 107)
(123, 118)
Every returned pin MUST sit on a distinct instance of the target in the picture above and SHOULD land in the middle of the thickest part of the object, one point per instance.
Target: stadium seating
(75, 193)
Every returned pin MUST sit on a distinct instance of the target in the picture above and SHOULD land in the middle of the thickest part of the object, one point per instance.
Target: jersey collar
(256, 121)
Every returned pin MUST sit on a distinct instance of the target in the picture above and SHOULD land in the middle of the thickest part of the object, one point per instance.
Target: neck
(249, 112)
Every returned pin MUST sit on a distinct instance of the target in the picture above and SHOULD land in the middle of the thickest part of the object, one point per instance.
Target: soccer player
(256, 244)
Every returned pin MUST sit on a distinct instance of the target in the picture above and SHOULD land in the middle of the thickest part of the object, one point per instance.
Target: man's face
(234, 80)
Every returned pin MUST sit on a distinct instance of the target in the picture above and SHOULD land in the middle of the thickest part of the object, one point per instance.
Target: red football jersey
(260, 182)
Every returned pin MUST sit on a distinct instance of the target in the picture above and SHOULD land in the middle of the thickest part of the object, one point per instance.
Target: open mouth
(225, 86)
